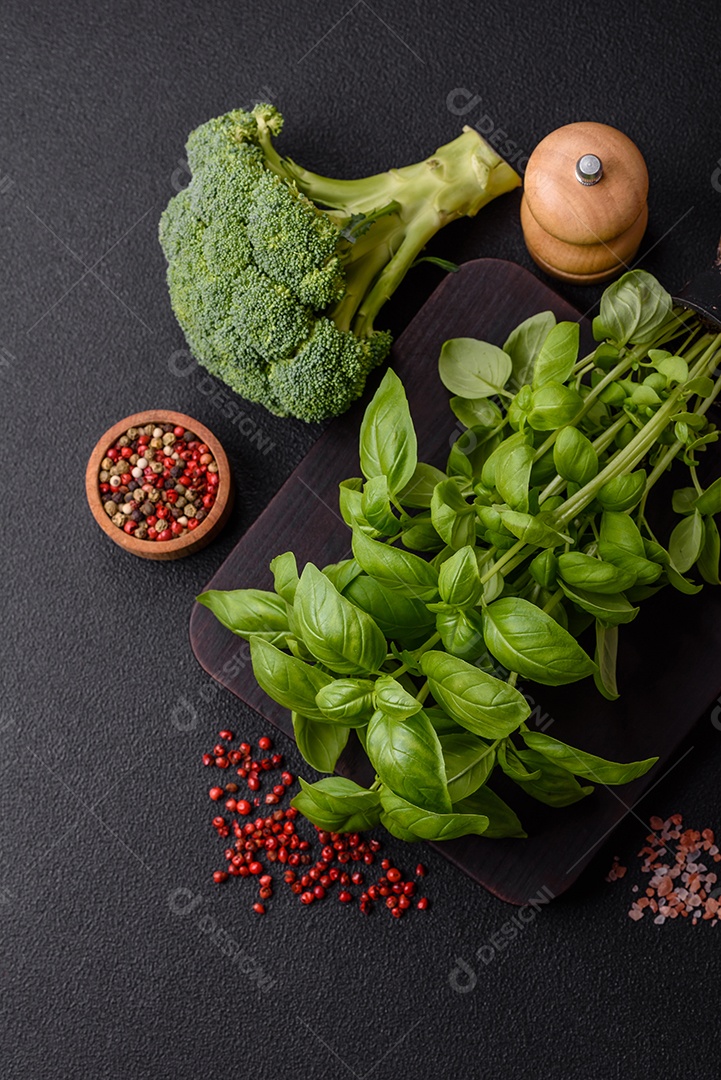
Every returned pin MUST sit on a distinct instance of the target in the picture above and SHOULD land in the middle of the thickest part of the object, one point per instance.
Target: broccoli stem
(456, 181)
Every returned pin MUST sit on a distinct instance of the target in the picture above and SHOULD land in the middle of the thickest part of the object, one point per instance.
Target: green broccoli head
(273, 289)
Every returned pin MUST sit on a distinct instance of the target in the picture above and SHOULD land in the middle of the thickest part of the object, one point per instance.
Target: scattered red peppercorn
(216, 793)
(264, 743)
(259, 909)
(420, 870)
(422, 904)
(219, 877)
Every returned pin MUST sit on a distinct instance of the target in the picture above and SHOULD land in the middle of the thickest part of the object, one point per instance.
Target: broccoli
(276, 275)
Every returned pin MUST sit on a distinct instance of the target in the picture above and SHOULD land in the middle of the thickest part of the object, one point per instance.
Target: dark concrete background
(105, 711)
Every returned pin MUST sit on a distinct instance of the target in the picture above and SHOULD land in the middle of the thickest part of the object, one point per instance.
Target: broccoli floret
(328, 373)
(276, 275)
(295, 243)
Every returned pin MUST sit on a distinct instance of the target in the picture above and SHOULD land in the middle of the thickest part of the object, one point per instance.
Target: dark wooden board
(669, 670)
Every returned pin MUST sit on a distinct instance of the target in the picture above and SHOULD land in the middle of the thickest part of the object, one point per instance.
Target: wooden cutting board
(668, 657)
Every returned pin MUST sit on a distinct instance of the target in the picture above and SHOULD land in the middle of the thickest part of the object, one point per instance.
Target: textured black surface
(104, 808)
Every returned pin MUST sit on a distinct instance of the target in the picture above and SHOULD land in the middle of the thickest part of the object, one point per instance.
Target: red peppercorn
(319, 892)
(231, 805)
(345, 897)
(245, 748)
(264, 743)
(253, 782)
(218, 822)
(409, 888)
(279, 790)
(420, 870)
(259, 909)
(221, 762)
(398, 913)
(287, 778)
(422, 904)
(220, 876)
(216, 793)
(234, 757)
(307, 898)
(403, 902)
(357, 878)
(179, 432)
(277, 760)
(243, 807)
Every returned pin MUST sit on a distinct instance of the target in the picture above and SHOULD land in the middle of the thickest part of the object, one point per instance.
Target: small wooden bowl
(180, 546)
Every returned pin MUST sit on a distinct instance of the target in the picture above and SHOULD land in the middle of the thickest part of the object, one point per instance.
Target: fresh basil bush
(520, 557)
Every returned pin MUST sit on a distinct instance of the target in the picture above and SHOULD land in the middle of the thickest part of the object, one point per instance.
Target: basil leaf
(674, 368)
(443, 724)
(682, 584)
(605, 657)
(394, 700)
(338, 805)
(479, 702)
(509, 470)
(376, 507)
(350, 502)
(469, 762)
(532, 530)
(620, 529)
(406, 755)
(418, 492)
(461, 633)
(473, 369)
(558, 354)
(686, 542)
(388, 445)
(586, 572)
(529, 641)
(502, 821)
(408, 822)
(610, 608)
(544, 569)
(574, 457)
(453, 518)
(320, 744)
(710, 501)
(556, 786)
(419, 533)
(524, 344)
(588, 766)
(291, 682)
(633, 309)
(342, 573)
(708, 561)
(644, 571)
(512, 765)
(459, 581)
(397, 570)
(285, 575)
(249, 613)
(623, 492)
(338, 634)
(553, 405)
(477, 412)
(401, 618)
(347, 701)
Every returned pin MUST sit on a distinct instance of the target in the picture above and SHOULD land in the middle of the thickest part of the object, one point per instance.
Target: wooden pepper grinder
(584, 208)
